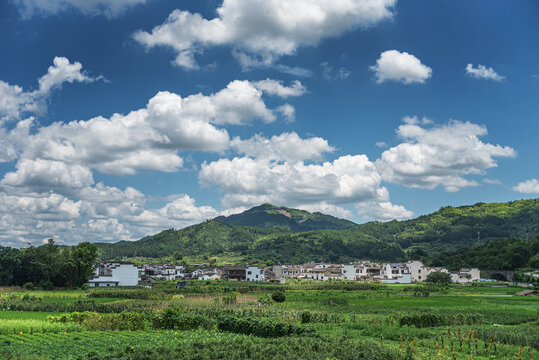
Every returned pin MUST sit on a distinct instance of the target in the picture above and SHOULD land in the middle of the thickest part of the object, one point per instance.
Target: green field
(229, 320)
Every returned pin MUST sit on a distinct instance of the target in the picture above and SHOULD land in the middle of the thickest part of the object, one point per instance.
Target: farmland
(230, 320)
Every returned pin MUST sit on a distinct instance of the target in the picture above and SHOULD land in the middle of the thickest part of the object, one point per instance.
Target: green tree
(80, 261)
(439, 277)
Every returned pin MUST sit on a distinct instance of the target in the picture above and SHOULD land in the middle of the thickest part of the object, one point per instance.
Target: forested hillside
(267, 216)
(426, 237)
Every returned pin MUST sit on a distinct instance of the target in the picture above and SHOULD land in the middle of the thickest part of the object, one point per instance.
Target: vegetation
(266, 234)
(270, 216)
(318, 320)
(47, 266)
(439, 278)
(499, 254)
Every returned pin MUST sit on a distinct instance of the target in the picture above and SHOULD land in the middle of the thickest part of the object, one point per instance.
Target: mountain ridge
(449, 228)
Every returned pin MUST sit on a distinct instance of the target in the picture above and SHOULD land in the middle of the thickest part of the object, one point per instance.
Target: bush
(434, 320)
(439, 277)
(102, 322)
(278, 296)
(28, 286)
(260, 327)
(179, 320)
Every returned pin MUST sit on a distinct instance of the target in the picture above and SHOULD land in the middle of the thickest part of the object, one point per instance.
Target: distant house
(391, 271)
(253, 273)
(233, 273)
(465, 276)
(119, 274)
(353, 272)
(417, 270)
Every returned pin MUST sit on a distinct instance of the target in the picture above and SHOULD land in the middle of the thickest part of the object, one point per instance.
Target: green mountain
(275, 234)
(268, 216)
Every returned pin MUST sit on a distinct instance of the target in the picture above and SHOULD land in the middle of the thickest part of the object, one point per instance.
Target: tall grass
(29, 326)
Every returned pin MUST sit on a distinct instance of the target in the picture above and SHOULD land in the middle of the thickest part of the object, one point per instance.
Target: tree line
(48, 265)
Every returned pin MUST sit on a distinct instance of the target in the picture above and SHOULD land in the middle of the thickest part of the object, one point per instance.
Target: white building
(354, 272)
(252, 273)
(417, 270)
(117, 275)
(465, 276)
(391, 271)
(404, 279)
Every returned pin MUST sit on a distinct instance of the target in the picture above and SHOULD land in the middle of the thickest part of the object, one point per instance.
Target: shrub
(260, 327)
(29, 286)
(179, 320)
(439, 277)
(102, 322)
(278, 296)
(434, 320)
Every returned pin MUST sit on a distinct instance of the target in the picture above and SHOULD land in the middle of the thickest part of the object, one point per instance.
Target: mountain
(268, 216)
(274, 233)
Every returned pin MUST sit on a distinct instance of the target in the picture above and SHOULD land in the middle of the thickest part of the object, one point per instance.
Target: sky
(122, 118)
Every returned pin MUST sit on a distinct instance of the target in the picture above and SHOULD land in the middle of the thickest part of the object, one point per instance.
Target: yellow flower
(65, 333)
(22, 341)
(21, 333)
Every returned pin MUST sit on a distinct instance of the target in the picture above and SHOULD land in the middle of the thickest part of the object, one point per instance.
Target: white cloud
(148, 138)
(274, 87)
(246, 181)
(439, 155)
(108, 8)
(329, 73)
(283, 147)
(401, 67)
(330, 209)
(383, 210)
(14, 102)
(288, 112)
(528, 187)
(268, 29)
(381, 144)
(44, 206)
(11, 142)
(482, 72)
(491, 181)
(101, 213)
(47, 175)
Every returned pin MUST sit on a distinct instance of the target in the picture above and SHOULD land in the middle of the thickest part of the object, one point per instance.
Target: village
(129, 274)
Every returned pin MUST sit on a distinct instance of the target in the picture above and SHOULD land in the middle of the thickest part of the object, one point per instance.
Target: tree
(80, 260)
(439, 277)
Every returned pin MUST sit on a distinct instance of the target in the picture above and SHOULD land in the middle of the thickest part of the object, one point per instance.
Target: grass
(352, 316)
(31, 326)
(25, 315)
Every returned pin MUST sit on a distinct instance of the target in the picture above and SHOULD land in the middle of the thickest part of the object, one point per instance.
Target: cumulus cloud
(402, 67)
(262, 29)
(383, 211)
(482, 72)
(42, 206)
(283, 147)
(44, 175)
(15, 102)
(99, 213)
(528, 187)
(439, 155)
(145, 139)
(274, 87)
(108, 8)
(249, 181)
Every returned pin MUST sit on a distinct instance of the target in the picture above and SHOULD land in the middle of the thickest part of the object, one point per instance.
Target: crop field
(298, 320)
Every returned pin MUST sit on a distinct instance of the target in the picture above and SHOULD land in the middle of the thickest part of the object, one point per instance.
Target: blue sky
(121, 118)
